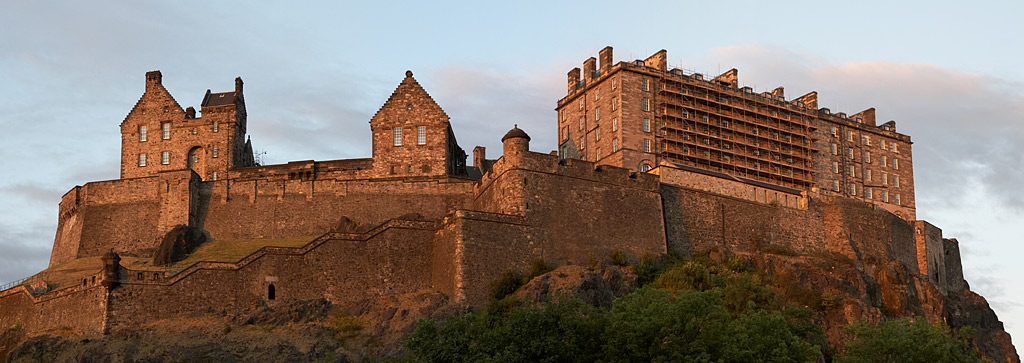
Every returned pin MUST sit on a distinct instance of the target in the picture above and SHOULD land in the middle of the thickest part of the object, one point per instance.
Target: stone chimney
(589, 68)
(190, 112)
(153, 79)
(606, 58)
(779, 92)
(238, 85)
(573, 79)
(480, 158)
(658, 60)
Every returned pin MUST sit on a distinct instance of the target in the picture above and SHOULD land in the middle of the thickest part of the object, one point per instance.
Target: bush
(647, 270)
(908, 340)
(538, 268)
(690, 276)
(619, 258)
(508, 283)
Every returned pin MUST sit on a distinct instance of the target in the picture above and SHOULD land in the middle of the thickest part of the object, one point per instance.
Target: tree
(907, 340)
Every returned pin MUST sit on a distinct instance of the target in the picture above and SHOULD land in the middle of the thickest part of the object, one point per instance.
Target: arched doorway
(196, 161)
(271, 292)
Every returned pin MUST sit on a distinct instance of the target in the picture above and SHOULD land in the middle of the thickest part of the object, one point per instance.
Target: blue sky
(315, 72)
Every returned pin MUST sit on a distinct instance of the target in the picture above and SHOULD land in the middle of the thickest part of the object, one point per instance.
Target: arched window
(644, 167)
(271, 292)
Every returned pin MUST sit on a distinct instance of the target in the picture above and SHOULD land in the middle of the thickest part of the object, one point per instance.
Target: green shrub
(647, 270)
(538, 268)
(508, 283)
(619, 258)
(690, 276)
(17, 327)
(908, 340)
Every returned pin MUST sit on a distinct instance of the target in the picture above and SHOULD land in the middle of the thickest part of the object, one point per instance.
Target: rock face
(598, 287)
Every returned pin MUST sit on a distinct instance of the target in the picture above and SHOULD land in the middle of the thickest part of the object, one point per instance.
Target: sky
(315, 72)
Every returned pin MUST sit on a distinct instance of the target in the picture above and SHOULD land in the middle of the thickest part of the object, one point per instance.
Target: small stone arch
(197, 160)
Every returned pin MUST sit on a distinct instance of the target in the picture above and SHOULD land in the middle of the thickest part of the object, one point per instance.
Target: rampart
(93, 218)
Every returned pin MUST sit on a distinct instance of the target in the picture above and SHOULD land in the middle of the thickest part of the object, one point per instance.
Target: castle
(691, 165)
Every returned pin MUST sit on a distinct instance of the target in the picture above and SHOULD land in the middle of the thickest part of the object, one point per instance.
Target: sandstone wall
(279, 207)
(78, 309)
(349, 268)
(696, 221)
(93, 218)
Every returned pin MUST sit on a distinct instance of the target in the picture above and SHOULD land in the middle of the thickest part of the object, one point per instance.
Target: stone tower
(412, 135)
(158, 135)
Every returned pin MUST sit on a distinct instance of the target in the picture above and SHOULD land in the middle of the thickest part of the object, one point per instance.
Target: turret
(516, 143)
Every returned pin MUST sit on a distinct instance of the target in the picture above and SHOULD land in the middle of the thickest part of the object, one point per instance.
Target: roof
(516, 132)
(219, 99)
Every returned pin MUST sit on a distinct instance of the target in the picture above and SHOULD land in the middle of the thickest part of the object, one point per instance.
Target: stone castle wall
(78, 309)
(92, 217)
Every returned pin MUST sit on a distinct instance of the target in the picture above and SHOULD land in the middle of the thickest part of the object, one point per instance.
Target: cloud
(485, 104)
(21, 257)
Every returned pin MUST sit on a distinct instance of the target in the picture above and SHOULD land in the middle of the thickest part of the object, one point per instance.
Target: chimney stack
(238, 85)
(573, 80)
(480, 158)
(153, 79)
(606, 58)
(589, 68)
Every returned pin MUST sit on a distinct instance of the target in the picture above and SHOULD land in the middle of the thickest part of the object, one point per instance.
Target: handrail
(13, 284)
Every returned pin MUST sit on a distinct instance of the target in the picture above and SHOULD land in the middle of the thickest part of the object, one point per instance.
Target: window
(142, 133)
(835, 148)
(647, 104)
(867, 193)
(849, 152)
(565, 133)
(615, 82)
(647, 124)
(165, 157)
(835, 167)
(615, 145)
(597, 94)
(885, 196)
(597, 134)
(583, 143)
(867, 156)
(898, 199)
(849, 136)
(835, 186)
(615, 124)
(885, 178)
(853, 189)
(834, 132)
(647, 145)
(896, 181)
(867, 174)
(860, 120)
(686, 114)
(598, 154)
(867, 140)
(881, 144)
(581, 122)
(396, 135)
(142, 159)
(215, 151)
(581, 103)
(615, 104)
(853, 171)
(645, 85)
(597, 114)
(215, 175)
(421, 135)
(166, 127)
(895, 164)
(216, 126)
(885, 161)
(894, 149)
(644, 167)
(271, 292)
